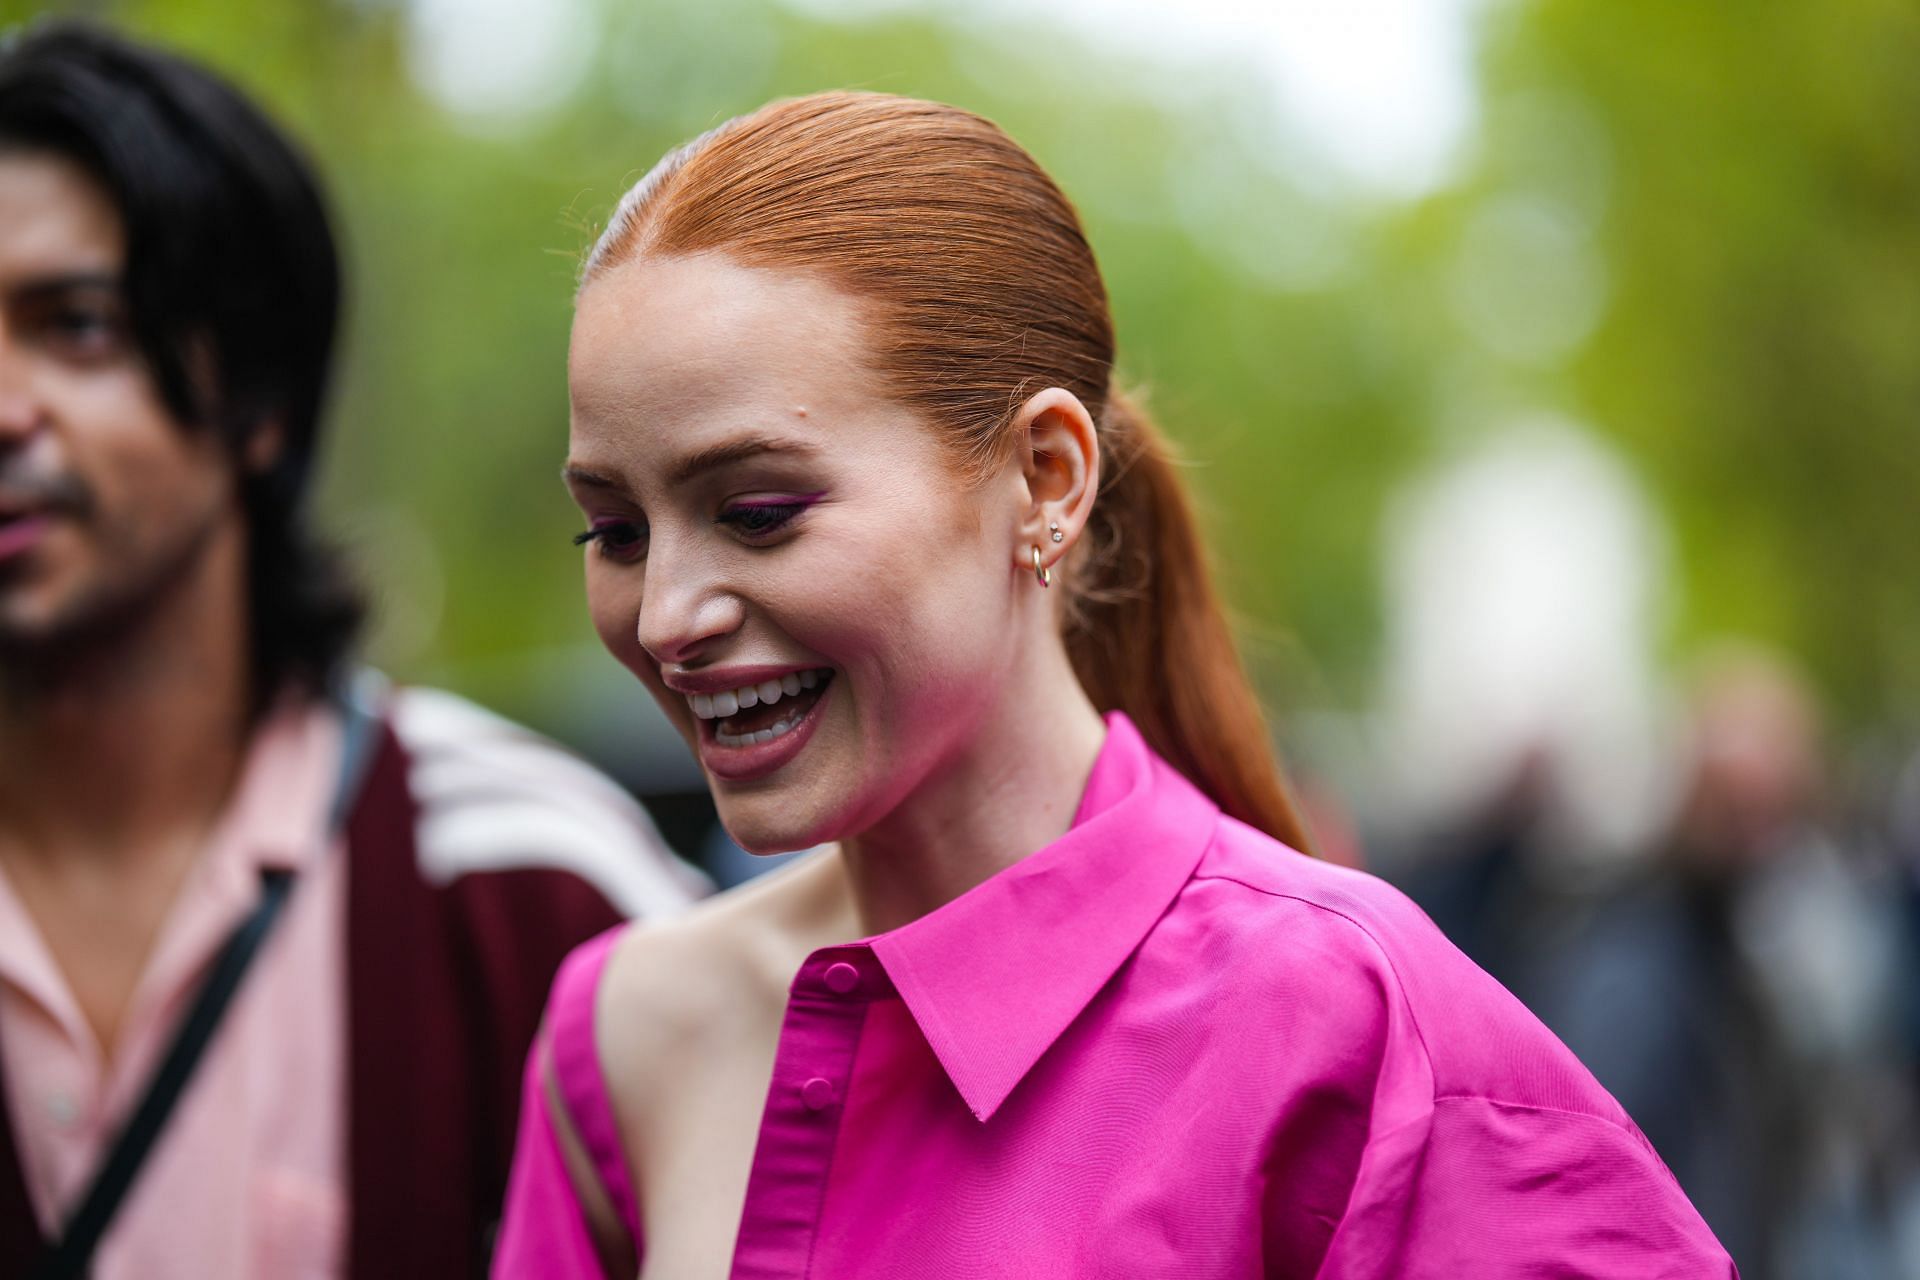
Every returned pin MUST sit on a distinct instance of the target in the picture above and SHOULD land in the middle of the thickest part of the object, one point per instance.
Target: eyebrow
(590, 479)
(696, 463)
(41, 288)
(67, 282)
(729, 452)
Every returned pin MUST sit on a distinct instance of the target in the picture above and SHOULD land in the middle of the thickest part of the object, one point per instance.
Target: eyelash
(775, 514)
(620, 536)
(603, 536)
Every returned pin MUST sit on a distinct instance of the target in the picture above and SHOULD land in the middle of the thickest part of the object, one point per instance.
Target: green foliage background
(1745, 179)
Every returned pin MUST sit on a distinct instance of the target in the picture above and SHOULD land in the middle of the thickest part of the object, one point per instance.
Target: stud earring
(1041, 571)
(1055, 530)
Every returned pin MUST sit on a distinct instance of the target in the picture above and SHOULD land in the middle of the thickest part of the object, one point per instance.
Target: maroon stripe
(445, 988)
(408, 1084)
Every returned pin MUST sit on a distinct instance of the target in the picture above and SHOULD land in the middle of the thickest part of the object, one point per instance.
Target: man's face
(106, 501)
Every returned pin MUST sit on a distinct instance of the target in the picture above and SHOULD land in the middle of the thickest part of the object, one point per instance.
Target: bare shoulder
(674, 989)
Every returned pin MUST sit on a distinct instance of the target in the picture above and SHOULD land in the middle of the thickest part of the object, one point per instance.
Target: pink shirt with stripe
(1164, 1045)
(248, 1179)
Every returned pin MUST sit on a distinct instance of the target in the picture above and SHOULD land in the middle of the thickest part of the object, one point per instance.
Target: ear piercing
(1040, 570)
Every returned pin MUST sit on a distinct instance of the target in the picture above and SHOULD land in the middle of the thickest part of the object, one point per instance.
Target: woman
(868, 519)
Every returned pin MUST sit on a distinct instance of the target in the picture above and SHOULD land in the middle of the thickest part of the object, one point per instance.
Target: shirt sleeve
(543, 1233)
(1476, 1187)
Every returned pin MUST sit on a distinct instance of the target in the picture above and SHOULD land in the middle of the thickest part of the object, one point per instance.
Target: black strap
(110, 1185)
(68, 1260)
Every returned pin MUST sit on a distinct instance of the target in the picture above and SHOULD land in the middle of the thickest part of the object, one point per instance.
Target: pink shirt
(1164, 1045)
(248, 1178)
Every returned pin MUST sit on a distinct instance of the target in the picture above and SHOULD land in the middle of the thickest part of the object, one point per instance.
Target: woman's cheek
(616, 618)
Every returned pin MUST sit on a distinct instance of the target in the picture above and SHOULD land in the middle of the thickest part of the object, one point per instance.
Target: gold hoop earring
(1041, 571)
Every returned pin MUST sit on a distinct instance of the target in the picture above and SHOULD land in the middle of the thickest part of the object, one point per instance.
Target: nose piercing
(1041, 571)
(1055, 530)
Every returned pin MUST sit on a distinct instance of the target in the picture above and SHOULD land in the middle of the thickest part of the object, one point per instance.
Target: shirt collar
(995, 976)
(274, 819)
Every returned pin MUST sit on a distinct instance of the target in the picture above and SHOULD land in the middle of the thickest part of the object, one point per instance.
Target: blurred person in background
(273, 939)
(1772, 1072)
(1901, 823)
(868, 516)
(1737, 989)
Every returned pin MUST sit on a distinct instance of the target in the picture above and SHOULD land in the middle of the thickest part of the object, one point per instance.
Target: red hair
(983, 290)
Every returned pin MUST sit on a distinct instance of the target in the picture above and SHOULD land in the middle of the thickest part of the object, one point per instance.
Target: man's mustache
(27, 490)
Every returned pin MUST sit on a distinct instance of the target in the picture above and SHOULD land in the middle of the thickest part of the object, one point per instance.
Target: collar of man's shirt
(274, 819)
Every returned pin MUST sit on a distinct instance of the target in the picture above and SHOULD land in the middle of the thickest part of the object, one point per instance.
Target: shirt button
(817, 1093)
(842, 977)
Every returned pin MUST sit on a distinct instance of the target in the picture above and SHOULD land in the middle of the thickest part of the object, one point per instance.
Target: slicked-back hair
(980, 290)
(232, 285)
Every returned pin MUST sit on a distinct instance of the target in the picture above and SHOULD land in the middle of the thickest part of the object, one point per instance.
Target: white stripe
(495, 796)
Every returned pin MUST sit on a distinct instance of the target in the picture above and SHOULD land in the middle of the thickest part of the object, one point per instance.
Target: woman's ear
(1058, 449)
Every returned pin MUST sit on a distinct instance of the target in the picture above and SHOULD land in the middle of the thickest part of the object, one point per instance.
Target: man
(176, 737)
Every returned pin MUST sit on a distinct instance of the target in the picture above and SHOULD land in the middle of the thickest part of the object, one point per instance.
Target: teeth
(718, 706)
(779, 728)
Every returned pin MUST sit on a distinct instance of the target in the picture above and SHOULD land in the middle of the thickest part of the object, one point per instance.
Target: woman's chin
(765, 833)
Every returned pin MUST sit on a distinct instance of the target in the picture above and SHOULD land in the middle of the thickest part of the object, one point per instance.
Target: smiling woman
(1060, 997)
(780, 514)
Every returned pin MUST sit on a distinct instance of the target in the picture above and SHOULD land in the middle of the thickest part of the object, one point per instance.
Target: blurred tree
(1696, 228)
(1750, 179)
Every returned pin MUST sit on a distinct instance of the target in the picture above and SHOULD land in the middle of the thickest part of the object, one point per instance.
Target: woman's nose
(686, 607)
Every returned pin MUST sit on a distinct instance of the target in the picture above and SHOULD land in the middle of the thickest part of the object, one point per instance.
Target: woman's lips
(750, 761)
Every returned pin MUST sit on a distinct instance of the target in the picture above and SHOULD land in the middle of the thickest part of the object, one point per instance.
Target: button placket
(841, 979)
(801, 1123)
(63, 1109)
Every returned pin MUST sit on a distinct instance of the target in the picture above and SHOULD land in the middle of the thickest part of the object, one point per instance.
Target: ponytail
(1147, 634)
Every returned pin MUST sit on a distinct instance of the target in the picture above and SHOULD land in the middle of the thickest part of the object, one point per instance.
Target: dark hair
(232, 283)
(985, 290)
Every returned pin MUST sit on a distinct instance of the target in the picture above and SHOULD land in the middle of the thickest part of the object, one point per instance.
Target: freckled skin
(953, 741)
(891, 579)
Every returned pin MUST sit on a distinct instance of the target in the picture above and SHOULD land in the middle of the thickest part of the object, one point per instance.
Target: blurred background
(1550, 375)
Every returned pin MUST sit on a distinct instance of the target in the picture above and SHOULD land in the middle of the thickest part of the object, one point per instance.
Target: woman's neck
(1011, 790)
